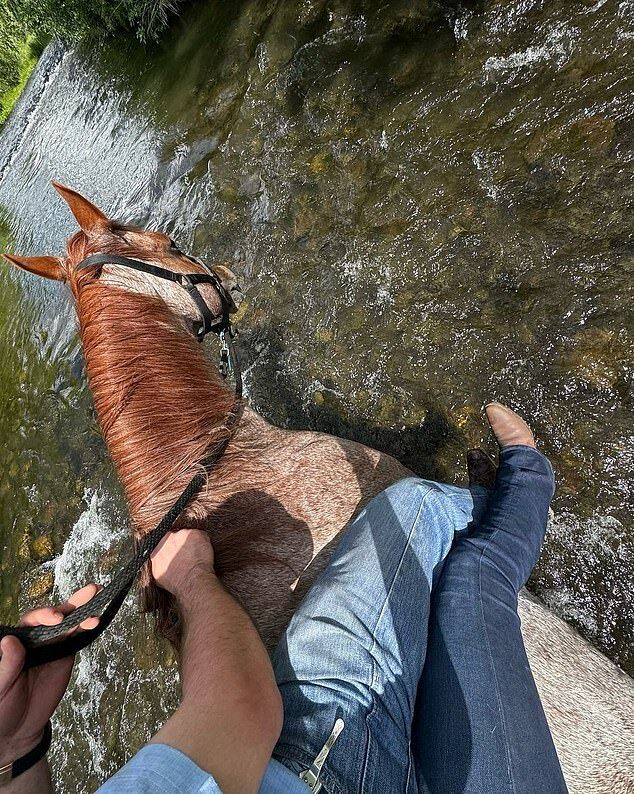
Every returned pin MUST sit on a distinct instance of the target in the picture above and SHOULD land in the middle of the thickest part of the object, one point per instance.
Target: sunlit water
(428, 210)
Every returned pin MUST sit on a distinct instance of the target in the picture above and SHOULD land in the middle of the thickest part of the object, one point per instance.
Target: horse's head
(100, 235)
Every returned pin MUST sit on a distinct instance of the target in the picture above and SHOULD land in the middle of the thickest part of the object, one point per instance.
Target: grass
(28, 59)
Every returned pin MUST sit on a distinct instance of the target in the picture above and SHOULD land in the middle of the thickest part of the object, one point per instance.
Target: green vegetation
(27, 25)
(77, 19)
(14, 73)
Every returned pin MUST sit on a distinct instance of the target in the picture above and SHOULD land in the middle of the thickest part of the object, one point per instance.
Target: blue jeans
(424, 663)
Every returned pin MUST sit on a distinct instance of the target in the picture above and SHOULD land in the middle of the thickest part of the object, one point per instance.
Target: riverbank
(26, 32)
(28, 56)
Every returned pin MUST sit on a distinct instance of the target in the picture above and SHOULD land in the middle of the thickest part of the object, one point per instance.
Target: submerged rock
(41, 585)
(42, 548)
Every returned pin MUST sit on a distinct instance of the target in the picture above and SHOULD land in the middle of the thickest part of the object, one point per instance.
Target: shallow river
(429, 209)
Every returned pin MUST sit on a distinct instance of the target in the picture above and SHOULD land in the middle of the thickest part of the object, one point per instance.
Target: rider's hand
(28, 698)
(180, 557)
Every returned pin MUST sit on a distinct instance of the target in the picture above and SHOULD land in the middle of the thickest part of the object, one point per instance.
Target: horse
(278, 500)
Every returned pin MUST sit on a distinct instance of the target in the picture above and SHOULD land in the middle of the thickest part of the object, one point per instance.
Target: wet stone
(595, 134)
(41, 585)
(42, 548)
(596, 358)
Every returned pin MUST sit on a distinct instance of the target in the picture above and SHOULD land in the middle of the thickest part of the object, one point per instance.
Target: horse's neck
(160, 402)
(161, 405)
(276, 498)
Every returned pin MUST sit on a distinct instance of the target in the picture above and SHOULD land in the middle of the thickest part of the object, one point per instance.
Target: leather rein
(48, 643)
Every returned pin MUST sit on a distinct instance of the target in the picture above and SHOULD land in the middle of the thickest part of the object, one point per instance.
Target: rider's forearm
(36, 780)
(230, 716)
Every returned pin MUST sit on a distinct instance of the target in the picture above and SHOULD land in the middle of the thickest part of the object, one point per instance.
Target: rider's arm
(231, 713)
(36, 780)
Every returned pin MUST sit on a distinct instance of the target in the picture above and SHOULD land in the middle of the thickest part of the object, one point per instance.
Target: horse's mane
(160, 401)
(158, 397)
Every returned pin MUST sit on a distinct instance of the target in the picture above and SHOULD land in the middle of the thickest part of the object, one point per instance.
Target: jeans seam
(372, 712)
(498, 698)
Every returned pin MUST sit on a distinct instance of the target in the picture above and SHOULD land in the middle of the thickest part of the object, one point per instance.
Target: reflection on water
(429, 211)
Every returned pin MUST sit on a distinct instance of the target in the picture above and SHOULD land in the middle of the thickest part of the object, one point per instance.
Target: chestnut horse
(278, 500)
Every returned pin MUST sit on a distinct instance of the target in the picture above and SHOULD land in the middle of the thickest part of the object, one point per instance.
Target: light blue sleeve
(161, 769)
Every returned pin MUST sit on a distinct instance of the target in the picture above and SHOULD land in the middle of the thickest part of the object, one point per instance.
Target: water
(430, 209)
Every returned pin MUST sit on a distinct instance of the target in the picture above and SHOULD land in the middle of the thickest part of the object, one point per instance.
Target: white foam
(557, 48)
(461, 26)
(90, 537)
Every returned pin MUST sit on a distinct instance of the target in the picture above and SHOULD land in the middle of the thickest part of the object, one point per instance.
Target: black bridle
(189, 281)
(43, 643)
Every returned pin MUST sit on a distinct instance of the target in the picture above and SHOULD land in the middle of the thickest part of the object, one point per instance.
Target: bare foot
(481, 468)
(508, 427)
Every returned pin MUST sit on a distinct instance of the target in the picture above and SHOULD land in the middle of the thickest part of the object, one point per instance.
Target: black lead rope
(43, 643)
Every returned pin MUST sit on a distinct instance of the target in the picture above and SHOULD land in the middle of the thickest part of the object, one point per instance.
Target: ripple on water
(104, 715)
(428, 212)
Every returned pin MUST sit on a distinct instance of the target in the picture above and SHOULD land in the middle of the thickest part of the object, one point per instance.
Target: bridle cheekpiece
(189, 281)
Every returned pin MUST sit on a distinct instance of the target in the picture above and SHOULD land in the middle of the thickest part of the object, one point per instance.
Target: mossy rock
(324, 335)
(594, 134)
(596, 358)
(318, 398)
(320, 163)
(42, 548)
(227, 193)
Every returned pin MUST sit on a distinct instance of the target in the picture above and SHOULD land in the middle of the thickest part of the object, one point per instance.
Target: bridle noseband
(48, 643)
(189, 281)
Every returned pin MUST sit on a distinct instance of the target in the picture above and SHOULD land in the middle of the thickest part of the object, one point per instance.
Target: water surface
(429, 209)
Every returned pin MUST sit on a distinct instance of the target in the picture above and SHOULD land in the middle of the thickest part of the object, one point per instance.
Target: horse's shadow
(278, 397)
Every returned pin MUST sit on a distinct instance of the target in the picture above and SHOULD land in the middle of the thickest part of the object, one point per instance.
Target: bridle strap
(188, 281)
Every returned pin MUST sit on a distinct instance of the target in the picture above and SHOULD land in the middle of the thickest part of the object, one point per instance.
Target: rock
(324, 334)
(595, 358)
(41, 585)
(42, 548)
(592, 134)
(319, 163)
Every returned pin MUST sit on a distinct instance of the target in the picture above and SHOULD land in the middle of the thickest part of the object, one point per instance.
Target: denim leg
(356, 646)
(479, 726)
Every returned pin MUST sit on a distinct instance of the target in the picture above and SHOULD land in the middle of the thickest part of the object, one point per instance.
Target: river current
(429, 207)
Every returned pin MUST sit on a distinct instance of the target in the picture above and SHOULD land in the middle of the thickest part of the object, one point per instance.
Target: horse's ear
(86, 214)
(45, 266)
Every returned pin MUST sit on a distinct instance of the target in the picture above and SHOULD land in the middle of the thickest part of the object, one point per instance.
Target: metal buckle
(225, 359)
(311, 776)
(6, 774)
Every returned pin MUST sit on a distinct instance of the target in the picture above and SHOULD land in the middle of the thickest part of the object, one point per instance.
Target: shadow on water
(279, 397)
(202, 68)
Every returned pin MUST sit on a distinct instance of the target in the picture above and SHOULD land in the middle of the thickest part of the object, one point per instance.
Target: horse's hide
(589, 703)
